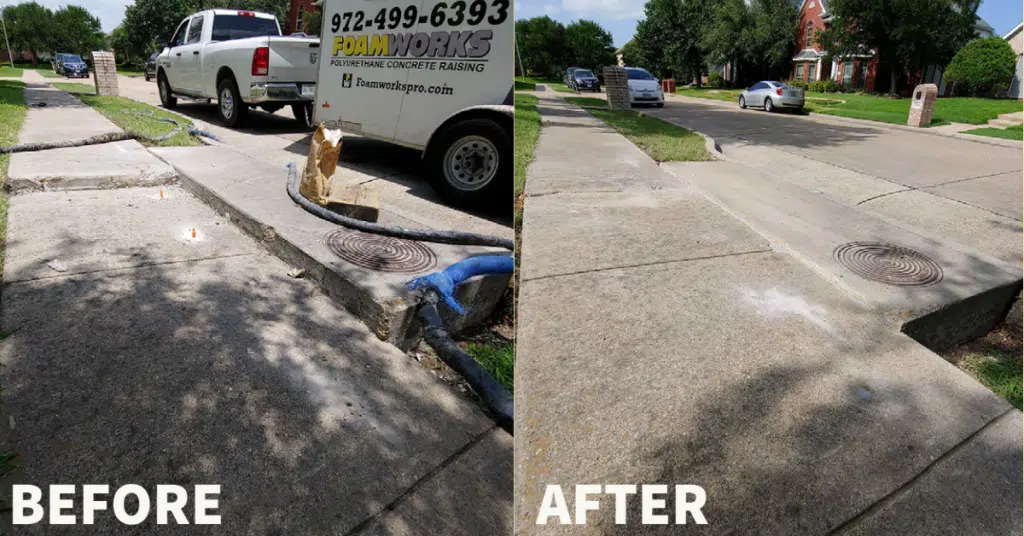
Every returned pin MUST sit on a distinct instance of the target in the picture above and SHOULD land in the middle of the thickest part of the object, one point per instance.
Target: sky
(620, 16)
(617, 16)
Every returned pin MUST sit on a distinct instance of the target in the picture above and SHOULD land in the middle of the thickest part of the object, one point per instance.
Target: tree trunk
(892, 79)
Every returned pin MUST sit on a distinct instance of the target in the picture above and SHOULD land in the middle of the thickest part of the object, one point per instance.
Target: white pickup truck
(240, 59)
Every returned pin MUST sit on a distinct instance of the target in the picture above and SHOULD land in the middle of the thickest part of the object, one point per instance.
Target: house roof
(1014, 31)
(980, 24)
(824, 6)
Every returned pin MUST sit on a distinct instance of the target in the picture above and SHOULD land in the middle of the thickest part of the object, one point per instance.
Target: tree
(669, 37)
(312, 22)
(776, 23)
(631, 54)
(983, 68)
(731, 35)
(29, 28)
(907, 35)
(76, 30)
(589, 45)
(542, 45)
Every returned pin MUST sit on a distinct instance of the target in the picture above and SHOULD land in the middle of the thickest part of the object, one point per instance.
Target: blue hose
(444, 283)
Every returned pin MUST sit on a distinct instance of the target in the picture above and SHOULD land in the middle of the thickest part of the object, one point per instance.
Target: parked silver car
(772, 96)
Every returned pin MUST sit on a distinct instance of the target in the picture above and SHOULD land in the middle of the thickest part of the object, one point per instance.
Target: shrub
(824, 86)
(983, 68)
(802, 84)
(716, 80)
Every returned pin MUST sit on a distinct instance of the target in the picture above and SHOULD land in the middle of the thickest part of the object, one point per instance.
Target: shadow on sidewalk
(222, 371)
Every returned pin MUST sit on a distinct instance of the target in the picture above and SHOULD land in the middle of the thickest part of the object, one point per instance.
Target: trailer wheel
(303, 114)
(471, 165)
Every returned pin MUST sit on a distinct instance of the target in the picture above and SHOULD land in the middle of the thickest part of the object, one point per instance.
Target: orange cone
(193, 232)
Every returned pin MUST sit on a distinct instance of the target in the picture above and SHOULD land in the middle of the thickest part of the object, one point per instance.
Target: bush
(802, 84)
(716, 80)
(824, 86)
(983, 68)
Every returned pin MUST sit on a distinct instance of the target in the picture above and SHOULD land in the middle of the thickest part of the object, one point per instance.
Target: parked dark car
(151, 66)
(73, 66)
(568, 76)
(584, 80)
(57, 60)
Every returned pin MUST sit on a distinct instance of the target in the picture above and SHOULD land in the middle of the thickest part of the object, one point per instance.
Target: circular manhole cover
(380, 253)
(889, 264)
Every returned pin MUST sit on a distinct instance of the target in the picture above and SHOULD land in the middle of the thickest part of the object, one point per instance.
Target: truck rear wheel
(471, 164)
(303, 114)
(229, 103)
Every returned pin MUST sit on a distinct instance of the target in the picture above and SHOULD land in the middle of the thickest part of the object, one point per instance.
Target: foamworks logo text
(405, 88)
(454, 44)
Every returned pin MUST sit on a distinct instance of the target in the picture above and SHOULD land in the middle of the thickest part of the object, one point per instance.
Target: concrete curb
(877, 124)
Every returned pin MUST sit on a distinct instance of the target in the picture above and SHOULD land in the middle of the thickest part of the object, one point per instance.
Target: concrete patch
(999, 193)
(89, 237)
(812, 227)
(221, 371)
(461, 499)
(109, 165)
(988, 465)
(253, 196)
(613, 163)
(568, 233)
(791, 423)
(990, 233)
(63, 118)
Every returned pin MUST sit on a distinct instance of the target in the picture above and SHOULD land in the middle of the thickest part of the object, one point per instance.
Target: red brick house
(296, 10)
(859, 70)
(809, 61)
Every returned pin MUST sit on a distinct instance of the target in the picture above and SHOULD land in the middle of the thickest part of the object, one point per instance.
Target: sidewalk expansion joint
(420, 482)
(645, 264)
(128, 267)
(884, 501)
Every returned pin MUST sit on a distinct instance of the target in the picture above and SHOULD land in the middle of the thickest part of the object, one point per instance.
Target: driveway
(965, 191)
(395, 171)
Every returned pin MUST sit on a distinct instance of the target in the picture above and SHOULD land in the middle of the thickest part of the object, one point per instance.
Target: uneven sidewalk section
(148, 356)
(252, 194)
(659, 331)
(65, 118)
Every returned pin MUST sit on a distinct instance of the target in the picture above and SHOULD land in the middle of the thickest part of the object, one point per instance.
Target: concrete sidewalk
(661, 341)
(145, 356)
(152, 342)
(55, 116)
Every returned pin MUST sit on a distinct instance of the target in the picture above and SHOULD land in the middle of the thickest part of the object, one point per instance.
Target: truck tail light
(777, 91)
(246, 14)
(261, 61)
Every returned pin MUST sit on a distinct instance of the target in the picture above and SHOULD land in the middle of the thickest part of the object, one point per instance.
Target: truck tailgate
(293, 59)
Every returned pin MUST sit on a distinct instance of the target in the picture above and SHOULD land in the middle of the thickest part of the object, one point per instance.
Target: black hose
(423, 235)
(498, 399)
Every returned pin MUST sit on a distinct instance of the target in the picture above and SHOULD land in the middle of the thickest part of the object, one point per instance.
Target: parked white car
(240, 59)
(644, 88)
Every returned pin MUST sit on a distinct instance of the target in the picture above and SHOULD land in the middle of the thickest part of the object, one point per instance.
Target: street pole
(522, 72)
(10, 57)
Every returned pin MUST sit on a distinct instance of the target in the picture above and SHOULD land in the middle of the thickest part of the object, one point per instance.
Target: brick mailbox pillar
(616, 85)
(104, 73)
(923, 105)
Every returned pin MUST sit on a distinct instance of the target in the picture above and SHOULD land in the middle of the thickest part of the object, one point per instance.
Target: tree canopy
(589, 45)
(908, 35)
(670, 38)
(983, 68)
(542, 45)
(34, 28)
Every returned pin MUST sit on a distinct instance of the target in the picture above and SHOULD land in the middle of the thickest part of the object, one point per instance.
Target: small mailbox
(923, 105)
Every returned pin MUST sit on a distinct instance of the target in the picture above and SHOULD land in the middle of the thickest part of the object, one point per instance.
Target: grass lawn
(554, 84)
(44, 69)
(883, 109)
(130, 72)
(497, 356)
(123, 112)
(661, 141)
(10, 72)
(587, 101)
(12, 115)
(994, 360)
(1008, 133)
(525, 86)
(527, 130)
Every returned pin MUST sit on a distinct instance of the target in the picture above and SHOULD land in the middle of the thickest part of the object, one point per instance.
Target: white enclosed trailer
(434, 76)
